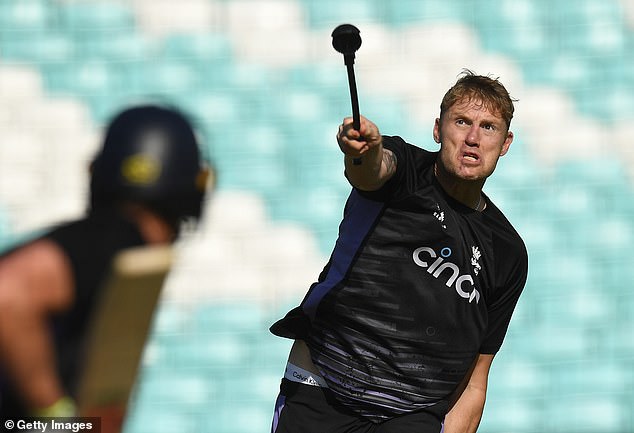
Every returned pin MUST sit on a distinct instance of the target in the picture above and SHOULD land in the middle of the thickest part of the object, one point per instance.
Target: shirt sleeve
(503, 305)
(411, 161)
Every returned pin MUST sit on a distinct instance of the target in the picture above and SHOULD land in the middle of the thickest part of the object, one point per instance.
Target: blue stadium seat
(591, 413)
(37, 46)
(85, 78)
(228, 317)
(329, 13)
(271, 351)
(326, 77)
(595, 376)
(166, 77)
(239, 417)
(25, 16)
(565, 363)
(557, 342)
(518, 168)
(83, 18)
(572, 72)
(519, 377)
(199, 47)
(217, 349)
(615, 104)
(408, 12)
(171, 318)
(160, 418)
(214, 108)
(186, 389)
(505, 415)
(114, 45)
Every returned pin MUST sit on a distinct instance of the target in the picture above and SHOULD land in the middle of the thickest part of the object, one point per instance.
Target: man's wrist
(354, 159)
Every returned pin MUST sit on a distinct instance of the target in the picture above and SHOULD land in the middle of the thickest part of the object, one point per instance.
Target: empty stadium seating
(267, 92)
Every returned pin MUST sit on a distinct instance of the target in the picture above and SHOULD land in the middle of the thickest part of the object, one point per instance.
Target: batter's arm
(466, 409)
(35, 282)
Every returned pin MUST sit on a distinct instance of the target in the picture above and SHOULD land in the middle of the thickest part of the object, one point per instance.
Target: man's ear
(507, 143)
(437, 130)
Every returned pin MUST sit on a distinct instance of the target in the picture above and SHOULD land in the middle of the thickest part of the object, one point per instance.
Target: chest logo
(442, 268)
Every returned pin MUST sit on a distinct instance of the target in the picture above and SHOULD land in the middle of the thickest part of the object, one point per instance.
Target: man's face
(472, 139)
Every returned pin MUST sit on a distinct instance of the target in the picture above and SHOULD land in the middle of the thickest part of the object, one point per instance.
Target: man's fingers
(347, 132)
(353, 142)
(347, 121)
(350, 145)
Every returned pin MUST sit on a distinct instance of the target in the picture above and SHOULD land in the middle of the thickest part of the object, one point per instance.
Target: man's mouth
(470, 156)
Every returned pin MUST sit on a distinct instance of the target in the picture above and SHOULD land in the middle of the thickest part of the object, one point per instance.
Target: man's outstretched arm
(466, 410)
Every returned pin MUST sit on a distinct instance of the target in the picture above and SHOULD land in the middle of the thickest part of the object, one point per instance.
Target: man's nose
(473, 135)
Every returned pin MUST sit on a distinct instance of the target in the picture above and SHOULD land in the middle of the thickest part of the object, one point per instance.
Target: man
(147, 177)
(400, 330)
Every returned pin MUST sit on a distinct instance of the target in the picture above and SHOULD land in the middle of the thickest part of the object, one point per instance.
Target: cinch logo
(440, 265)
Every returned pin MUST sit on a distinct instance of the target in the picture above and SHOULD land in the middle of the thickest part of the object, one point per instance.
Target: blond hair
(485, 89)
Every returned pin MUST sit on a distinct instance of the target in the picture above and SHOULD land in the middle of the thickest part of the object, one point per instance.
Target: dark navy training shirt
(417, 286)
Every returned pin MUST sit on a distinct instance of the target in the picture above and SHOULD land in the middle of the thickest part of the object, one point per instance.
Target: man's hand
(355, 143)
(368, 164)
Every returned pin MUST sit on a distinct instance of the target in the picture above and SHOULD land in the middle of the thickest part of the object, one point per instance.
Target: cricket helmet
(150, 155)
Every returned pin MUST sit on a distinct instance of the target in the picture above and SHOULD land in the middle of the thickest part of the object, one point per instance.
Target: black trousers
(310, 409)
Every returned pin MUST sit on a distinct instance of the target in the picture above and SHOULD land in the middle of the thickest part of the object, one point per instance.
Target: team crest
(475, 260)
(440, 215)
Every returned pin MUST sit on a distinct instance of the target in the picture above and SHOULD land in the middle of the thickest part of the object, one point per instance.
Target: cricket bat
(119, 330)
